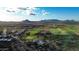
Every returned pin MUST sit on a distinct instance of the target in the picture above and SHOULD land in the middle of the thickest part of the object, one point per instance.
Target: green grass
(58, 31)
(34, 31)
(69, 30)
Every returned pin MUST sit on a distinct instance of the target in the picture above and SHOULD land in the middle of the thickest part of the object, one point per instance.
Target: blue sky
(38, 13)
(64, 13)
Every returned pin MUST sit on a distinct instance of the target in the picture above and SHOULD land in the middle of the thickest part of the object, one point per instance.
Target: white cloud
(23, 10)
(6, 17)
(7, 14)
(44, 12)
(20, 14)
(29, 10)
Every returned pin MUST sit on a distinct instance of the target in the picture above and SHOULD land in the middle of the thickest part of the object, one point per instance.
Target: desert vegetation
(42, 36)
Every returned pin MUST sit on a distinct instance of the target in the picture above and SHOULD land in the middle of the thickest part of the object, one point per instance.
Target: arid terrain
(45, 35)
